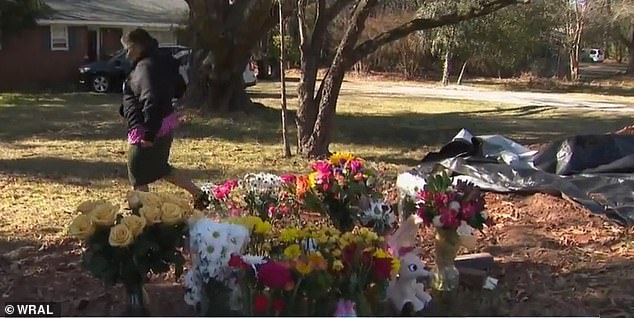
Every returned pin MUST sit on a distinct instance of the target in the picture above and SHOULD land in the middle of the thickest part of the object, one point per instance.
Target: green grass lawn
(60, 149)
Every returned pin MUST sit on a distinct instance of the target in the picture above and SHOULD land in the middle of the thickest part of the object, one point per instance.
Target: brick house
(77, 32)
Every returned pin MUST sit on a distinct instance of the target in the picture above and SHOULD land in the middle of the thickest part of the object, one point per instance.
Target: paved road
(479, 94)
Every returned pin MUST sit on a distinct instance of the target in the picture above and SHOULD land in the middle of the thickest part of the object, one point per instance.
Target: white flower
(261, 182)
(464, 229)
(253, 259)
(211, 246)
(484, 215)
(436, 221)
(465, 233)
(454, 205)
(409, 184)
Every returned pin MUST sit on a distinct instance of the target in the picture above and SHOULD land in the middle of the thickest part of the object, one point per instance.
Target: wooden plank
(479, 261)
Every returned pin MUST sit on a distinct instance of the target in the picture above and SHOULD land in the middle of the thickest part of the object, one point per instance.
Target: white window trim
(65, 28)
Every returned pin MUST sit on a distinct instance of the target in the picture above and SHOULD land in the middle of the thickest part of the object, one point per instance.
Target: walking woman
(147, 107)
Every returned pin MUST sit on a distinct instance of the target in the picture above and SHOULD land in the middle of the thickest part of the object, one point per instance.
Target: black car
(105, 76)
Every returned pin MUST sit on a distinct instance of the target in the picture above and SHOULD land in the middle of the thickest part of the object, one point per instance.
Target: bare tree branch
(420, 23)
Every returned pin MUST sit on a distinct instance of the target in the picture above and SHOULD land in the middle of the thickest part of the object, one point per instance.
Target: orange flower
(303, 267)
(301, 186)
(317, 261)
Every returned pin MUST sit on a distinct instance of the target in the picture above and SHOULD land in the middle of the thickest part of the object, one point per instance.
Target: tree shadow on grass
(86, 117)
(411, 130)
(79, 172)
(71, 116)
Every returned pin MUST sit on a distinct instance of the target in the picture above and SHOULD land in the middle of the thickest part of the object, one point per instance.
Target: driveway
(568, 100)
(581, 101)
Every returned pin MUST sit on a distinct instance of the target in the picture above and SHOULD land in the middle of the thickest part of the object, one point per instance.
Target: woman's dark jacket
(148, 92)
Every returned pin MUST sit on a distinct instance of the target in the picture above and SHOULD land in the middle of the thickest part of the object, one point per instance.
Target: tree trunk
(224, 29)
(316, 114)
(446, 69)
(196, 92)
(630, 48)
(575, 47)
(574, 63)
(287, 148)
(630, 61)
(307, 110)
(227, 92)
(464, 67)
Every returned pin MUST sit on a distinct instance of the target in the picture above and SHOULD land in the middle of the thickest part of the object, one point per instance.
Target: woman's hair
(139, 37)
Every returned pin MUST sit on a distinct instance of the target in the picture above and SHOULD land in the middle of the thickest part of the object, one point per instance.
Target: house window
(59, 38)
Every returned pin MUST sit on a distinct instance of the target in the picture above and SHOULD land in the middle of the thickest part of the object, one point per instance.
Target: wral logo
(32, 309)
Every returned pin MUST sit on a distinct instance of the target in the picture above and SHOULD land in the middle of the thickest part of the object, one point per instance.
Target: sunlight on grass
(60, 149)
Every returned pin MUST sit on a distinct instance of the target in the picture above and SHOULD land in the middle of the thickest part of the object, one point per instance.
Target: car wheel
(100, 84)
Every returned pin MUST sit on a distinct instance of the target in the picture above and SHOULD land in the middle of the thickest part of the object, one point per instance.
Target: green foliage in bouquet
(335, 186)
(310, 269)
(125, 248)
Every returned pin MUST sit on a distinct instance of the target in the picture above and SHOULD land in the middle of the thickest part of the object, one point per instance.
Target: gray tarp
(596, 171)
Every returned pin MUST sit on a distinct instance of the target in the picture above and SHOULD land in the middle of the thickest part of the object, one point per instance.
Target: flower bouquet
(221, 198)
(310, 270)
(263, 195)
(127, 247)
(455, 212)
(210, 283)
(335, 186)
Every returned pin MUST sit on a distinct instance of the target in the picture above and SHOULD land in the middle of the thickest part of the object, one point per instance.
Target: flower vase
(136, 301)
(446, 277)
(341, 216)
(405, 206)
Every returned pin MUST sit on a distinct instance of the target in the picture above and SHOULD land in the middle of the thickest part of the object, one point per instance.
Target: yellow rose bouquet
(126, 247)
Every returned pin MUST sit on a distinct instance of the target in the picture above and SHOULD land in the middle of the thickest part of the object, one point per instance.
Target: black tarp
(596, 171)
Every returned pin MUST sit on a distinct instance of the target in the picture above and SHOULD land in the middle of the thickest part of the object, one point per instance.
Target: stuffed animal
(404, 292)
(345, 308)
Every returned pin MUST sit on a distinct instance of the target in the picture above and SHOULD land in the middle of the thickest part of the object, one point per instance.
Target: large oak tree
(317, 103)
(226, 31)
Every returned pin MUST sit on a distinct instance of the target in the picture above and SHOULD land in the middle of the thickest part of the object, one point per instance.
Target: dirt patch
(553, 258)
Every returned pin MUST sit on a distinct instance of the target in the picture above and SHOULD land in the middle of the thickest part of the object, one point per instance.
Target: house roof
(160, 13)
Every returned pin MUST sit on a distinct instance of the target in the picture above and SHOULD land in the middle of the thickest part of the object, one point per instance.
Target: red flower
(426, 196)
(284, 210)
(288, 178)
(469, 210)
(382, 269)
(260, 303)
(274, 275)
(271, 211)
(449, 218)
(441, 199)
(422, 213)
(322, 167)
(323, 177)
(348, 253)
(355, 166)
(236, 262)
(278, 306)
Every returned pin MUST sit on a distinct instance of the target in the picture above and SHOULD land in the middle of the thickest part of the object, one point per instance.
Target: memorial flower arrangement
(310, 269)
(455, 211)
(210, 283)
(126, 247)
(335, 186)
(259, 194)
